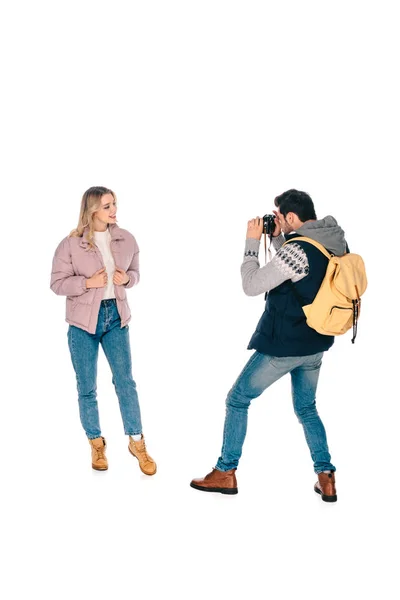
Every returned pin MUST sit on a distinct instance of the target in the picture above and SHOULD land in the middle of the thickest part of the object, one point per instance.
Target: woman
(93, 267)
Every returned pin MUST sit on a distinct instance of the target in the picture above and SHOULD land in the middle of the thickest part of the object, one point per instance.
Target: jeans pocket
(315, 360)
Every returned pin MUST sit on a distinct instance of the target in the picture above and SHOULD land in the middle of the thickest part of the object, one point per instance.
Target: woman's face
(108, 211)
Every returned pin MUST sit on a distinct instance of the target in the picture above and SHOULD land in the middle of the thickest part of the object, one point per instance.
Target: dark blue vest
(282, 329)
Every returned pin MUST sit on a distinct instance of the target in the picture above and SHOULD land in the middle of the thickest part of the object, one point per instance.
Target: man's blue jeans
(84, 348)
(258, 374)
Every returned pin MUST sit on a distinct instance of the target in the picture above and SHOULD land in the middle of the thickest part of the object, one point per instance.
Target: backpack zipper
(341, 308)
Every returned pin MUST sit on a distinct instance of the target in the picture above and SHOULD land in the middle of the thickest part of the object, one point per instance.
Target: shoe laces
(143, 451)
(100, 453)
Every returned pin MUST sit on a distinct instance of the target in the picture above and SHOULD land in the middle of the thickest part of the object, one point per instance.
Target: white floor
(70, 531)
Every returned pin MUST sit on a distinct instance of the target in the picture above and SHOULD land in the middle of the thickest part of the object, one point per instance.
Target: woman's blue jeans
(258, 374)
(84, 348)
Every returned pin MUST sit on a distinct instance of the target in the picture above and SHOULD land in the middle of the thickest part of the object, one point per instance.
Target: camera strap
(269, 247)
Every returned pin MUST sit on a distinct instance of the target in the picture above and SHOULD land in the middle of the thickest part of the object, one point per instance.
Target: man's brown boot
(99, 459)
(326, 486)
(217, 481)
(138, 449)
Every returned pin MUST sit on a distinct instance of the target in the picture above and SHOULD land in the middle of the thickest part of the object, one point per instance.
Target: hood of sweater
(327, 232)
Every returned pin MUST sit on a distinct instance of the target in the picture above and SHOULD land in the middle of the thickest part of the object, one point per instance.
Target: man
(283, 342)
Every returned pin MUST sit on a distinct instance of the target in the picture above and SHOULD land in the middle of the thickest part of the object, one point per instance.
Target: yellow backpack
(336, 307)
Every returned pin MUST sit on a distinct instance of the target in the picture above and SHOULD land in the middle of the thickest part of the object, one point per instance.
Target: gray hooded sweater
(290, 261)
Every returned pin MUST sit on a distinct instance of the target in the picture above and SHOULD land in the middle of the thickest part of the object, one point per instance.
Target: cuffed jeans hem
(328, 468)
(224, 468)
(134, 433)
(93, 437)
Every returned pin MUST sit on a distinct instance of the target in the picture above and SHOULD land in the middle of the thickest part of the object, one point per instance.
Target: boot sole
(220, 490)
(324, 497)
(144, 472)
(99, 468)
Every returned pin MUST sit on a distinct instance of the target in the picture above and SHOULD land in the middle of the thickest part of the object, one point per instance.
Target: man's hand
(278, 229)
(120, 277)
(255, 228)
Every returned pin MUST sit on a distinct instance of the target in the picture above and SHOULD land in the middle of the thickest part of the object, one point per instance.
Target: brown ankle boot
(99, 459)
(138, 449)
(326, 486)
(217, 481)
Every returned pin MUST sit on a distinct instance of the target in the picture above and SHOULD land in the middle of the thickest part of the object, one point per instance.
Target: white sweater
(102, 240)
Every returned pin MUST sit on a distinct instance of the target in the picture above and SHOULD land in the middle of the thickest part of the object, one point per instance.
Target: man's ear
(290, 218)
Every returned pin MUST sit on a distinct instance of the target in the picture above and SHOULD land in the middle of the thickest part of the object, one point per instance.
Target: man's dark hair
(296, 202)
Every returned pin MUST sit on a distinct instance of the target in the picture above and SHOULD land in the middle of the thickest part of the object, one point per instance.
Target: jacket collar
(115, 231)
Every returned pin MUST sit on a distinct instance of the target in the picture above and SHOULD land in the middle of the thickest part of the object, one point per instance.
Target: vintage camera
(269, 224)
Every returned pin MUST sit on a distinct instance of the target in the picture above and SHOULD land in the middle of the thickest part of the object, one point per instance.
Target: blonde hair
(91, 203)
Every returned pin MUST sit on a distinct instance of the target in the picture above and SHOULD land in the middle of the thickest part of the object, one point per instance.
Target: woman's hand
(120, 277)
(255, 228)
(98, 280)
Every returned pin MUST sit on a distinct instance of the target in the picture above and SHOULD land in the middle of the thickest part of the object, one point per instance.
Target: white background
(197, 114)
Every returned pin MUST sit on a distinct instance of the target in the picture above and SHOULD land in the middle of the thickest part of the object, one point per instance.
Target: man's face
(284, 222)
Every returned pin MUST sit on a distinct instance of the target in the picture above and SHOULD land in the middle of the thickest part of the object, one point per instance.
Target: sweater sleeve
(278, 241)
(290, 262)
(63, 280)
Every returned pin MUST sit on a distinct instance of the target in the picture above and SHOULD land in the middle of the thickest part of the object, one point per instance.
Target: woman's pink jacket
(73, 263)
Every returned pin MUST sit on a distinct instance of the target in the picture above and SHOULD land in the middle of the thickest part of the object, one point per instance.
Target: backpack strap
(320, 247)
(313, 243)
